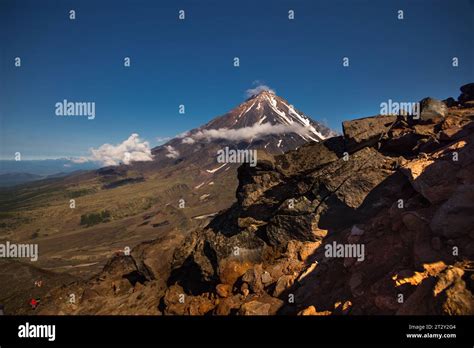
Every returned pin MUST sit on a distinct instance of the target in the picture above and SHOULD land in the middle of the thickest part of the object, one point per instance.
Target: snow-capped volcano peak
(267, 108)
(262, 94)
(264, 120)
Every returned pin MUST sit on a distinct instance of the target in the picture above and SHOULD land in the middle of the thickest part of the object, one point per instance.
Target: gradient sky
(191, 62)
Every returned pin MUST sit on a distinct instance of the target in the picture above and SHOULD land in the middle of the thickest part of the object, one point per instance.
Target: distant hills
(24, 171)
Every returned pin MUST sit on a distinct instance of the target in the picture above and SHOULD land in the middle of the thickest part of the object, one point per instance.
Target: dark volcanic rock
(467, 93)
(367, 131)
(283, 228)
(450, 102)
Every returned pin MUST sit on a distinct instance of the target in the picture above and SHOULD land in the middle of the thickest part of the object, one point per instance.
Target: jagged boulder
(455, 217)
(433, 110)
(443, 293)
(367, 131)
(467, 94)
(306, 157)
(283, 228)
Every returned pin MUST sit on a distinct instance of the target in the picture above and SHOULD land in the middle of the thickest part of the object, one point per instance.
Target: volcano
(263, 121)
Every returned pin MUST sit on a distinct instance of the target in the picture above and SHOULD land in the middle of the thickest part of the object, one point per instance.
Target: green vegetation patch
(95, 218)
(80, 192)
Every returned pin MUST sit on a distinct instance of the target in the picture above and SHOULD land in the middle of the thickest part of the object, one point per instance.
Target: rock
(365, 132)
(468, 88)
(431, 178)
(354, 283)
(266, 278)
(232, 270)
(356, 231)
(283, 228)
(89, 294)
(253, 277)
(249, 222)
(255, 308)
(425, 130)
(432, 110)
(441, 294)
(200, 305)
(402, 141)
(386, 303)
(224, 290)
(226, 305)
(297, 206)
(172, 300)
(455, 217)
(311, 310)
(303, 159)
(245, 292)
(434, 268)
(123, 286)
(342, 308)
(450, 275)
(253, 184)
(352, 181)
(450, 102)
(453, 133)
(467, 93)
(276, 270)
(283, 283)
(308, 271)
(308, 248)
(413, 221)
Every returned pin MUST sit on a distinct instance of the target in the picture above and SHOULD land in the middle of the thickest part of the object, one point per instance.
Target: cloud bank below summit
(246, 133)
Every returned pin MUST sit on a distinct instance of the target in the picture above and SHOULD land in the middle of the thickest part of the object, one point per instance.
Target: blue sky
(190, 62)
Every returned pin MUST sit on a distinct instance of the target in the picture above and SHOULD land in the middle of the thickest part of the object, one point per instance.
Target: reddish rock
(255, 308)
(224, 290)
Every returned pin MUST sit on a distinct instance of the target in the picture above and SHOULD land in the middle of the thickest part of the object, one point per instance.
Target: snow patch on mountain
(215, 169)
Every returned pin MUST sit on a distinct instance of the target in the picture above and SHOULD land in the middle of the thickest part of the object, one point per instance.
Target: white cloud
(246, 133)
(188, 140)
(172, 152)
(259, 88)
(79, 160)
(131, 150)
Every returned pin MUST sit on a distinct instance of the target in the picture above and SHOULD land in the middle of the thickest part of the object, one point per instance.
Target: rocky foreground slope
(378, 221)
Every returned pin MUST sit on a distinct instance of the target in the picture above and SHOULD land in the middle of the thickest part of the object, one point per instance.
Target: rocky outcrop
(366, 131)
(408, 208)
(432, 110)
(467, 95)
